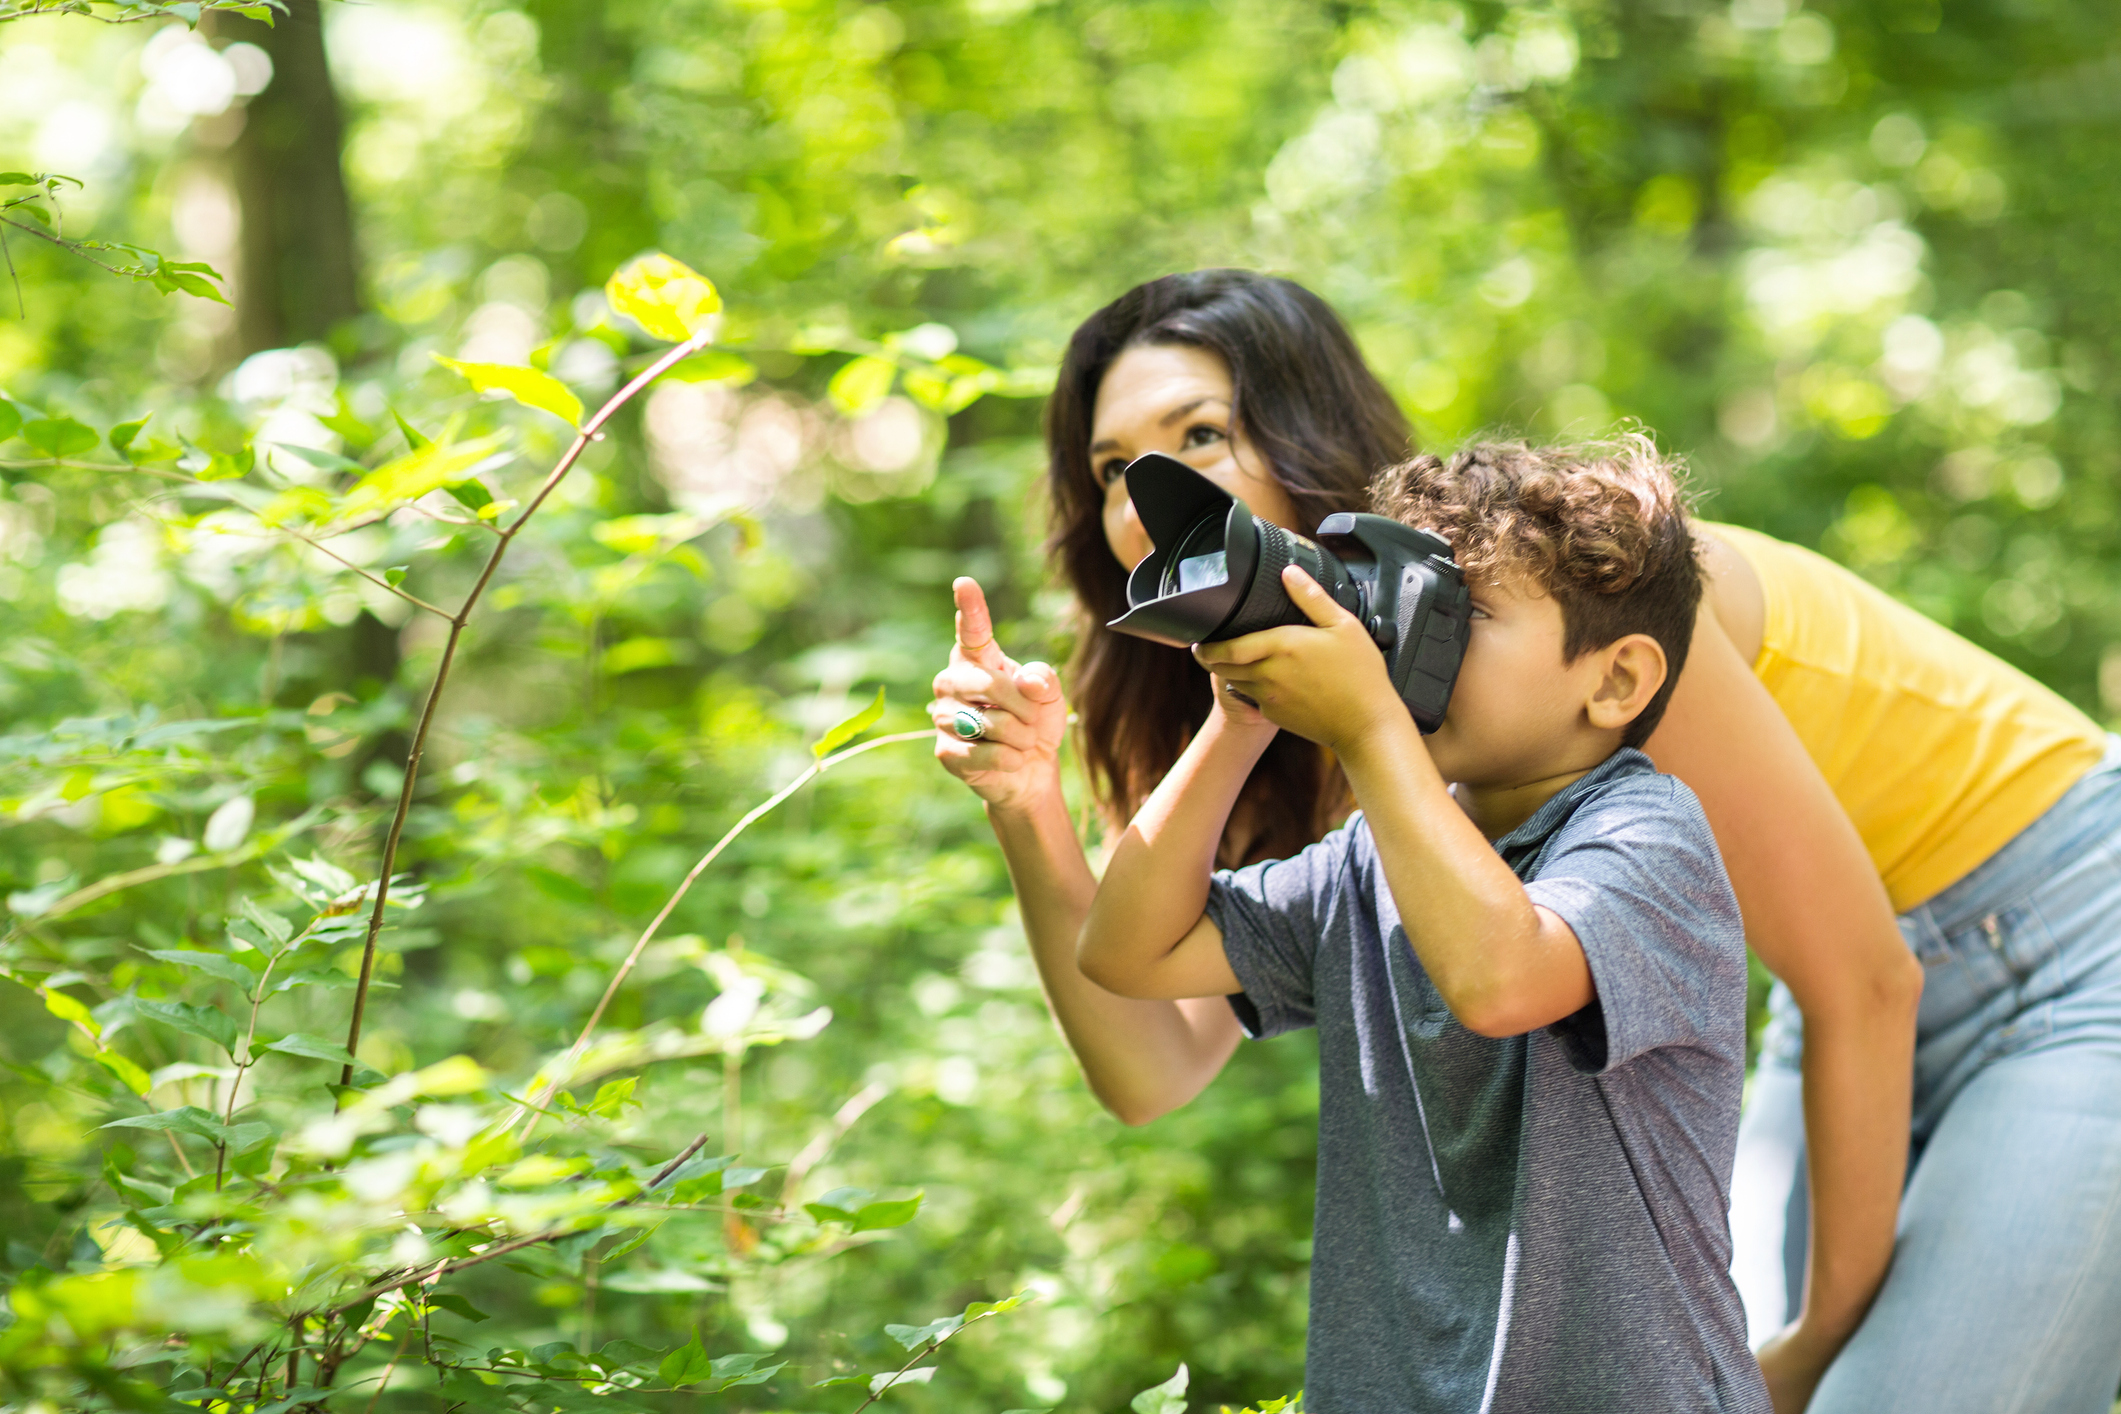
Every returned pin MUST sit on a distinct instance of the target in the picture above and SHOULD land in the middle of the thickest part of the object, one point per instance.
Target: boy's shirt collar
(1521, 847)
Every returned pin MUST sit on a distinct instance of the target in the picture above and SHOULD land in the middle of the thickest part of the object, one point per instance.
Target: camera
(1216, 573)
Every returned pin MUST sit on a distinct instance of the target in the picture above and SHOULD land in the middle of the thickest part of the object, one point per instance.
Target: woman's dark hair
(1324, 425)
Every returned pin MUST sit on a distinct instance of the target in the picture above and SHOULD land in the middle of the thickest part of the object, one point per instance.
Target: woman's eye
(1203, 434)
(1477, 613)
(1109, 470)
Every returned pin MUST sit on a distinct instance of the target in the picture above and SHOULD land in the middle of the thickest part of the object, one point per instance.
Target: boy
(1529, 984)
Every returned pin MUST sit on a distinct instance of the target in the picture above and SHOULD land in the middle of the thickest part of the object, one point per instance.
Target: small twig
(61, 242)
(249, 1057)
(589, 432)
(896, 1375)
(813, 1153)
(503, 1249)
(377, 581)
(816, 768)
(81, 897)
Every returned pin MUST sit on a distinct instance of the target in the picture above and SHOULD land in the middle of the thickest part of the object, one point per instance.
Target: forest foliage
(660, 1099)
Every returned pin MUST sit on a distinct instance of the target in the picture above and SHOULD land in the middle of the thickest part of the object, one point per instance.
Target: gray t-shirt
(1537, 1222)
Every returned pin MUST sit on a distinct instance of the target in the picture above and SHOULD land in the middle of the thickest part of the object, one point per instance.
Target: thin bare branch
(559, 1074)
(88, 894)
(589, 432)
(430, 1275)
(380, 583)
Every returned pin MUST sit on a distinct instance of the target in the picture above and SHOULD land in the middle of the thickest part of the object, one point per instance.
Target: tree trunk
(296, 276)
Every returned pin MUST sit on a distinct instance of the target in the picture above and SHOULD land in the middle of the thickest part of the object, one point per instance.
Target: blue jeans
(2005, 1287)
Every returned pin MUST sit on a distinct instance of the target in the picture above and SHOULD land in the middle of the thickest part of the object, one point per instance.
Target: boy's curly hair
(1601, 526)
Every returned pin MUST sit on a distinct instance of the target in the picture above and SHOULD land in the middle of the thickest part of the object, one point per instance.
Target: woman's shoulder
(1731, 586)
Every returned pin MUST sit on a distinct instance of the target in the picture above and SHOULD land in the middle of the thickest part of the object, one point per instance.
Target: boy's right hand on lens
(1016, 762)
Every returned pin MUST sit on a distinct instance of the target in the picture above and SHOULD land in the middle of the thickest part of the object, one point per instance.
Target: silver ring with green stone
(969, 723)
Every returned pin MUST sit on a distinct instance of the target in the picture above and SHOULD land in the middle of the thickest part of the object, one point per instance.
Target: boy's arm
(1147, 934)
(1502, 964)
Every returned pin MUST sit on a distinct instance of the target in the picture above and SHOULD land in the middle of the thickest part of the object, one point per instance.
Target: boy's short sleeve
(1271, 915)
(1637, 875)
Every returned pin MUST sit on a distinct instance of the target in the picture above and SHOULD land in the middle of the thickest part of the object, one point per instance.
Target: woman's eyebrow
(1184, 408)
(1111, 444)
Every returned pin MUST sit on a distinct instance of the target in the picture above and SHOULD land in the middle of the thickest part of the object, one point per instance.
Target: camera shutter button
(1381, 631)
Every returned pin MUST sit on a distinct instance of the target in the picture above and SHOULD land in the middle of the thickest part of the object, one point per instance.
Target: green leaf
(688, 1364)
(59, 1004)
(311, 977)
(729, 1371)
(171, 280)
(134, 1079)
(614, 1096)
(848, 730)
(861, 384)
(457, 1306)
(222, 466)
(471, 495)
(201, 1021)
(666, 297)
(1166, 1398)
(211, 963)
(879, 1383)
(631, 1244)
(414, 438)
(914, 1337)
(121, 436)
(526, 385)
(10, 419)
(185, 1119)
(315, 1047)
(871, 1216)
(59, 436)
(21, 179)
(714, 366)
(980, 1310)
(418, 472)
(395, 575)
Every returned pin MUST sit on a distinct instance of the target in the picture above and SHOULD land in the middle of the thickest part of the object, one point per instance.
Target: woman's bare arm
(1818, 915)
(1142, 1058)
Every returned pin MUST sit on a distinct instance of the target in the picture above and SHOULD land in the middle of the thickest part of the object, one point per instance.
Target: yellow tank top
(1939, 751)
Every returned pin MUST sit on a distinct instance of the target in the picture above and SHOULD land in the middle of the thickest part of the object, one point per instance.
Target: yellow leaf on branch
(527, 386)
(666, 297)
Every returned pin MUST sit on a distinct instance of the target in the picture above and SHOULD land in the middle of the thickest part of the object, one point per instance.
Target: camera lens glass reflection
(1201, 562)
(1203, 572)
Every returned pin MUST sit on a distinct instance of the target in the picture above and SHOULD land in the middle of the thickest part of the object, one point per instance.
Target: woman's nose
(1134, 544)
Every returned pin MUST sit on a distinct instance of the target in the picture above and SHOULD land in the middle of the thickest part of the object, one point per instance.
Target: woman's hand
(1015, 765)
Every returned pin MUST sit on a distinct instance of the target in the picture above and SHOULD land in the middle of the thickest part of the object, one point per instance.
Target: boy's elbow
(1110, 972)
(1491, 1004)
(1134, 1111)
(1489, 1016)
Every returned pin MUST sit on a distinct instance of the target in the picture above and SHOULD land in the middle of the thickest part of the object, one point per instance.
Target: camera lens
(1201, 561)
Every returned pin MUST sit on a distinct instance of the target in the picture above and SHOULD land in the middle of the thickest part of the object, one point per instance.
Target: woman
(1255, 383)
(1856, 761)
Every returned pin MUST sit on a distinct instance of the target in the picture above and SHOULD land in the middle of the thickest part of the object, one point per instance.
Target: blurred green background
(1854, 259)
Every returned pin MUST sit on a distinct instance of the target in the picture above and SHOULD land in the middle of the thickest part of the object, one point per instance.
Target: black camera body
(1216, 574)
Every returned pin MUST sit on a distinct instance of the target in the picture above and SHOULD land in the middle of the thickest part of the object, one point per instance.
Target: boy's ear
(1633, 669)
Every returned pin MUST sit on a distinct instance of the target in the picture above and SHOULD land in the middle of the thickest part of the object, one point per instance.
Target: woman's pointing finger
(975, 626)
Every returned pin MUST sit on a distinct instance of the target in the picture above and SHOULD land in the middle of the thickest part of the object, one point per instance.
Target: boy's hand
(1327, 683)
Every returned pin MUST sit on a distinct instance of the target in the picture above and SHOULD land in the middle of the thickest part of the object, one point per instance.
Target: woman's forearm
(1142, 1058)
(1858, 1079)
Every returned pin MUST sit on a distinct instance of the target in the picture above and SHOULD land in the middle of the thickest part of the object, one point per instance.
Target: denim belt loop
(1924, 937)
